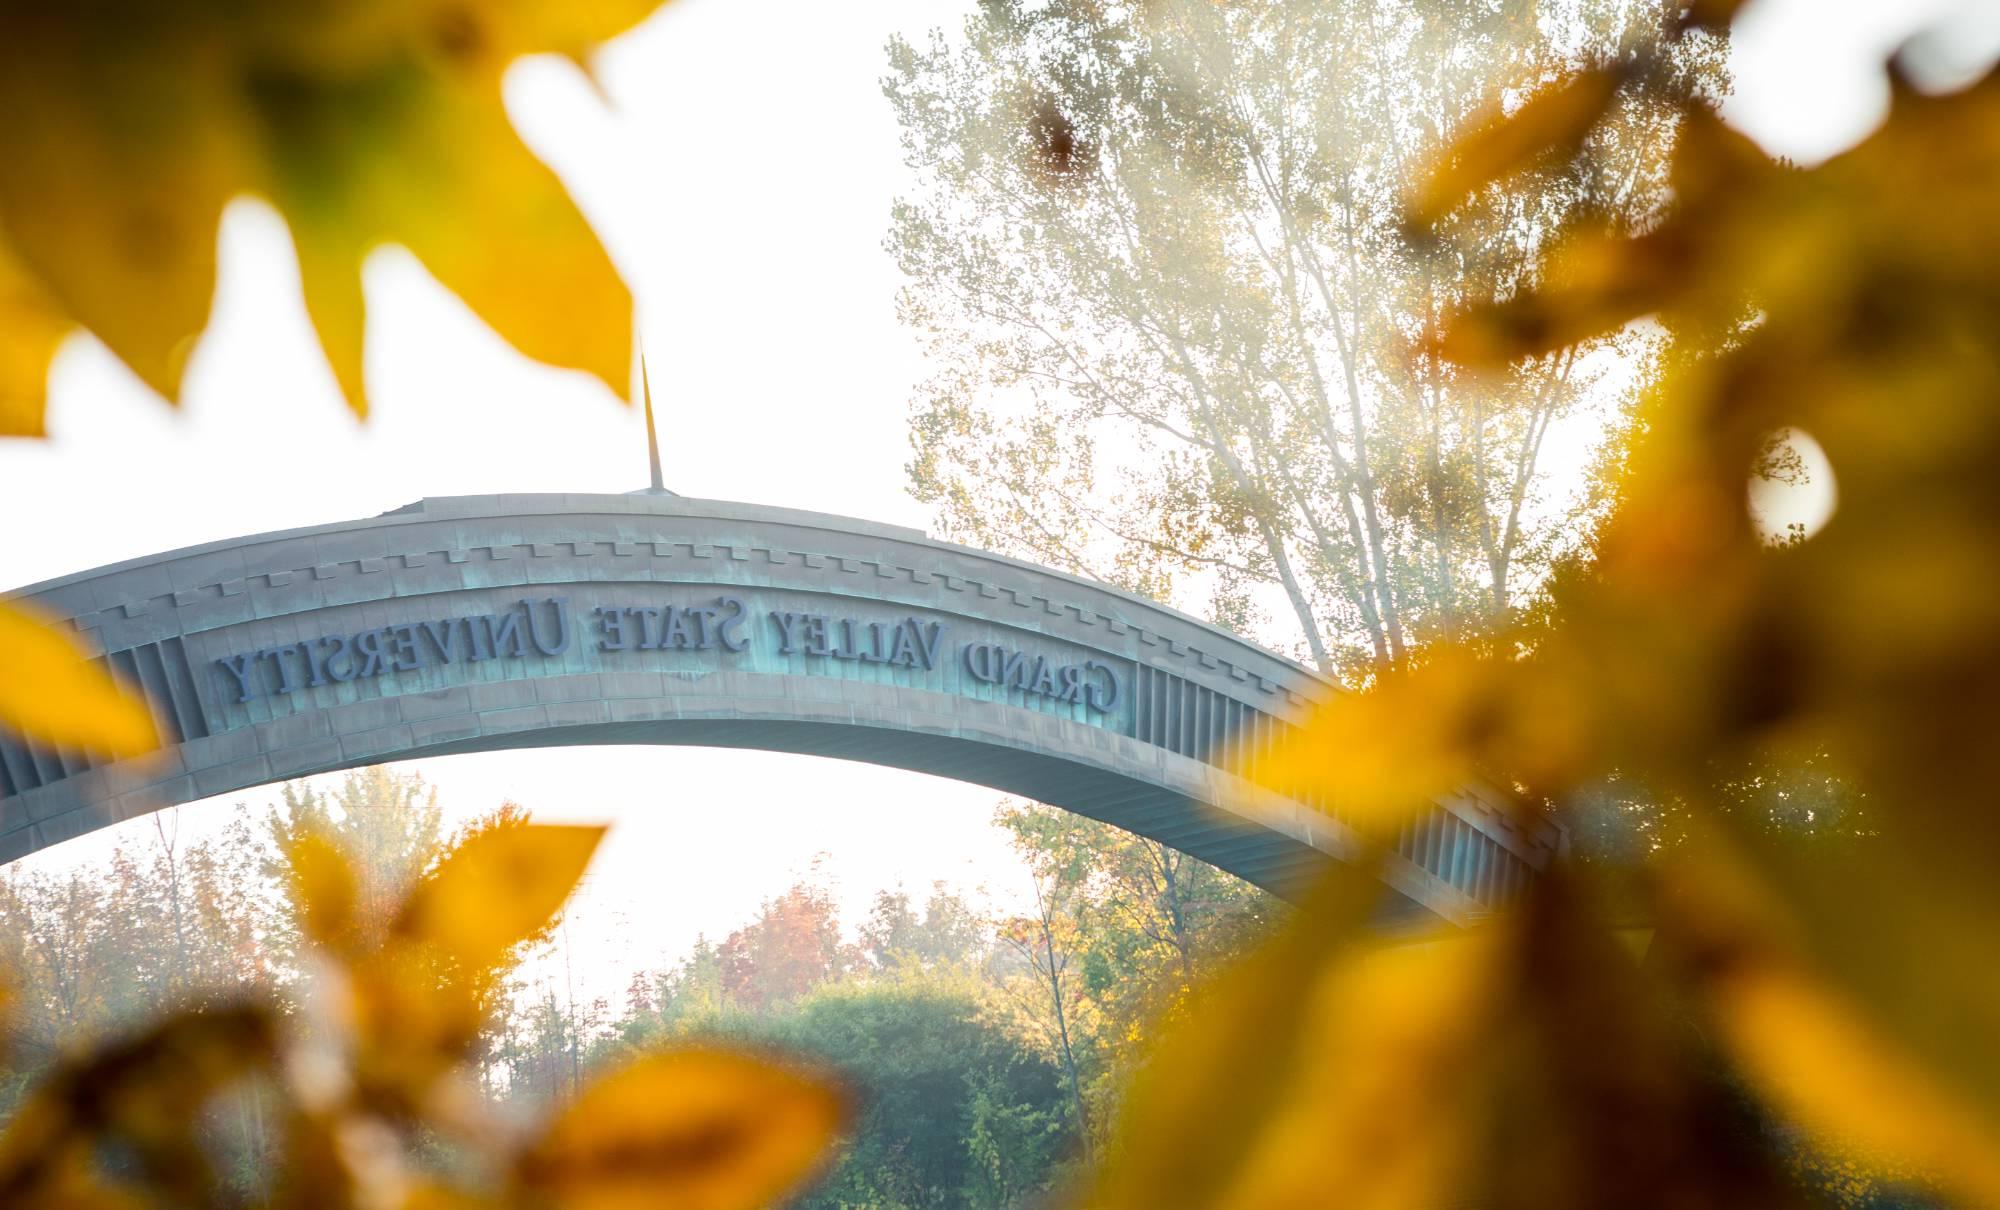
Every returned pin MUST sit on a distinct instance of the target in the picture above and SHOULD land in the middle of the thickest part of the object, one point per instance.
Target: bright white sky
(742, 181)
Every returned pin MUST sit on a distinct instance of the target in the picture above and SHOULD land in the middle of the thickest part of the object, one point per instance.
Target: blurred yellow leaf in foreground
(369, 1073)
(1847, 985)
(51, 693)
(365, 123)
(497, 889)
(141, 1096)
(1550, 123)
(1528, 1062)
(687, 1130)
(31, 326)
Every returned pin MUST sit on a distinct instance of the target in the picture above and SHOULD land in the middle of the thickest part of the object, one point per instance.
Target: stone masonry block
(221, 747)
(17, 844)
(306, 758)
(634, 710)
(383, 742)
(631, 684)
(356, 717)
(500, 694)
(294, 729)
(73, 823)
(525, 718)
(432, 731)
(578, 714)
(568, 688)
(436, 704)
(232, 776)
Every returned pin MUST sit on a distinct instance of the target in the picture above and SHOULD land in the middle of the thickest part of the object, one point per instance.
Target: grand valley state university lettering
(547, 627)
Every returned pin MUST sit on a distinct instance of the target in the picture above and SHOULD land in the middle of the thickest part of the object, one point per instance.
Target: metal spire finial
(652, 434)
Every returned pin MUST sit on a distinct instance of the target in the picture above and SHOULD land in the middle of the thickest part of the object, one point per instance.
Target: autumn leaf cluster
(130, 125)
(1838, 992)
(370, 1072)
(1529, 1060)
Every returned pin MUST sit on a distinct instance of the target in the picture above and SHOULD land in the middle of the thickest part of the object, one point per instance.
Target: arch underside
(823, 636)
(1257, 855)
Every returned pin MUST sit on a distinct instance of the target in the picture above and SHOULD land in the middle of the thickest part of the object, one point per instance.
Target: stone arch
(465, 624)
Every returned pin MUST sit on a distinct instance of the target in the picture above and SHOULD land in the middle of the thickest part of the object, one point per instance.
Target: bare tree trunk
(180, 980)
(1052, 970)
(575, 1027)
(1176, 910)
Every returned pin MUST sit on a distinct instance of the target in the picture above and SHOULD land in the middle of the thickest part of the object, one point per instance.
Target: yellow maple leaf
(1841, 302)
(141, 1095)
(31, 326)
(1358, 754)
(324, 888)
(1199, 1110)
(685, 1130)
(1810, 1048)
(1549, 124)
(496, 890)
(50, 692)
(365, 123)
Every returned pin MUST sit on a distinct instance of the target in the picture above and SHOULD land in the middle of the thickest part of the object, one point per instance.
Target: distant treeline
(986, 1052)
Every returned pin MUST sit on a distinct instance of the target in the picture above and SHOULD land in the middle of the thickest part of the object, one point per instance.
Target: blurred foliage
(364, 122)
(363, 1070)
(1837, 990)
(130, 125)
(53, 693)
(1843, 992)
(936, 1012)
